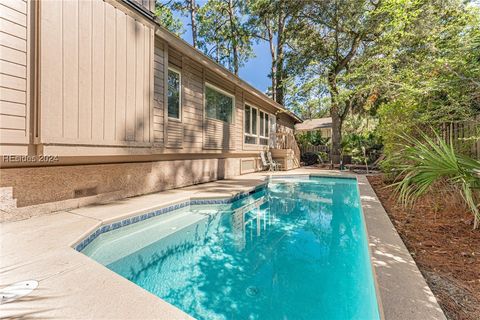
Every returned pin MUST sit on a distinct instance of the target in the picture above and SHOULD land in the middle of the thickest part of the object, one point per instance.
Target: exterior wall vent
(86, 192)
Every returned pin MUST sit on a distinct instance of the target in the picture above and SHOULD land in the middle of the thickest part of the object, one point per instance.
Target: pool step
(145, 233)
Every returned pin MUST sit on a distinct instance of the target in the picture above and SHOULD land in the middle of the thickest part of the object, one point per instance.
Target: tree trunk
(337, 120)
(273, 70)
(279, 92)
(235, 59)
(274, 80)
(233, 35)
(193, 21)
(336, 136)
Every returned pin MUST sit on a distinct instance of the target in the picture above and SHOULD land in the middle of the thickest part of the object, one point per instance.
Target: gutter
(196, 55)
(141, 9)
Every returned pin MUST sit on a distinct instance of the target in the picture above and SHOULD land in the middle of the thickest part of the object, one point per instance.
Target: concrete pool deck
(73, 286)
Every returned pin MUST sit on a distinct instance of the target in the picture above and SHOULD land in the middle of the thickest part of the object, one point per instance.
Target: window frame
(266, 123)
(226, 93)
(250, 134)
(180, 109)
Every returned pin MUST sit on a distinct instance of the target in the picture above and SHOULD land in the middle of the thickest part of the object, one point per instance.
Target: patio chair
(265, 162)
(275, 164)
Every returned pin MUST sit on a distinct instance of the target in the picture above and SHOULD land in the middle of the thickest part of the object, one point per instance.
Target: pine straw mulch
(438, 233)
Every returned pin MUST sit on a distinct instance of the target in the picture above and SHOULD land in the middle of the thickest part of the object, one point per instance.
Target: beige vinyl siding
(192, 105)
(284, 124)
(99, 59)
(14, 41)
(239, 122)
(217, 81)
(159, 93)
(218, 135)
(99, 90)
(174, 134)
(174, 58)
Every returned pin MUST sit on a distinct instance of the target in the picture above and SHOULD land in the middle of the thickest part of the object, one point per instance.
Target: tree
(270, 20)
(307, 94)
(331, 35)
(425, 68)
(224, 32)
(189, 8)
(165, 18)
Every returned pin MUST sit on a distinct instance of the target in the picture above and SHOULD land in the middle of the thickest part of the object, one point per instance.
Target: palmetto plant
(424, 162)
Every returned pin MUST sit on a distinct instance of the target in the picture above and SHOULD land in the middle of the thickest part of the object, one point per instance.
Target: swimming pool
(294, 249)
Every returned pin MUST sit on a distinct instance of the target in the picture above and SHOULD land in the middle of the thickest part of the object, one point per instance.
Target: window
(257, 126)
(174, 94)
(264, 128)
(267, 126)
(218, 104)
(250, 125)
(254, 121)
(262, 123)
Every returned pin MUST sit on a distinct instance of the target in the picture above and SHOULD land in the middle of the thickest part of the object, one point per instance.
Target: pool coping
(402, 293)
(165, 208)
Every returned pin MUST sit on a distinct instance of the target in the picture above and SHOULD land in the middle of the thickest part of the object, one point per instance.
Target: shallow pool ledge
(73, 286)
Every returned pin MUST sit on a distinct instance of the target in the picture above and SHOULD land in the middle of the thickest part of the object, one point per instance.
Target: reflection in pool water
(294, 250)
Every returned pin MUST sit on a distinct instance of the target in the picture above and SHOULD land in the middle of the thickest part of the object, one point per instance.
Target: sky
(255, 71)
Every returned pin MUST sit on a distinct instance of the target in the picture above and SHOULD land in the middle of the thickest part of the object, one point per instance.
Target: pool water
(296, 249)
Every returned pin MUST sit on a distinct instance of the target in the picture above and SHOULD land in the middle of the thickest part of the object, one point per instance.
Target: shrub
(309, 158)
(362, 147)
(423, 163)
(313, 138)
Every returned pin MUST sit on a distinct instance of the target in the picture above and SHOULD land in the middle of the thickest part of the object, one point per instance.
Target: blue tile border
(310, 176)
(122, 223)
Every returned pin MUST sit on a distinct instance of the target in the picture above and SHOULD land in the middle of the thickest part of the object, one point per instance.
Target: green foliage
(426, 161)
(360, 123)
(187, 8)
(331, 38)
(426, 68)
(224, 32)
(363, 147)
(307, 94)
(313, 138)
(410, 63)
(361, 138)
(405, 64)
(165, 18)
(272, 21)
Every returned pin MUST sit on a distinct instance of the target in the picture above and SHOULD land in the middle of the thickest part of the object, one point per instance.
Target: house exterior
(322, 125)
(99, 102)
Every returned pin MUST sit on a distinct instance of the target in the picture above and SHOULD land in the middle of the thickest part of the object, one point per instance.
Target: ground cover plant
(423, 163)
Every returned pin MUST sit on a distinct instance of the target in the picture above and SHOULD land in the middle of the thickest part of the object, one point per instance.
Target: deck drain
(17, 290)
(252, 291)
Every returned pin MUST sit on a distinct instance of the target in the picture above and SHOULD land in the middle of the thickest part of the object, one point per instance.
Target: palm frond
(426, 161)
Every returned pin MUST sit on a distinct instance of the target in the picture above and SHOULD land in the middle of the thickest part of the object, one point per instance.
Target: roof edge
(201, 58)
